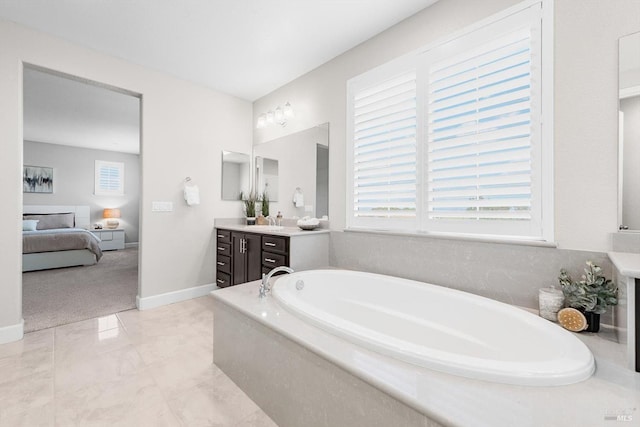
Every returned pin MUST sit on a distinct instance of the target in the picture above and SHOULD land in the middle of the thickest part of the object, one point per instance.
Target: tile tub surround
(136, 368)
(270, 350)
(509, 273)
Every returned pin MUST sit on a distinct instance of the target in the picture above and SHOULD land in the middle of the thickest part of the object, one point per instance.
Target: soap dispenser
(279, 218)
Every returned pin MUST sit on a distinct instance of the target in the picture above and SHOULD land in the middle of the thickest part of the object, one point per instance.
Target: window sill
(456, 236)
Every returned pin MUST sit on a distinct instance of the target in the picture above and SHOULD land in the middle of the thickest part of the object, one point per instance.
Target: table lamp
(111, 216)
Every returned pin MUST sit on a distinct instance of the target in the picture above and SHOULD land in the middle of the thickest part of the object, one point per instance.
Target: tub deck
(270, 352)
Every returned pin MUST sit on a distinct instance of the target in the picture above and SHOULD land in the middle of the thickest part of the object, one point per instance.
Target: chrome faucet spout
(265, 287)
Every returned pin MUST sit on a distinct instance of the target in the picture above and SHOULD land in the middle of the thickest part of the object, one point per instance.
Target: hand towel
(192, 195)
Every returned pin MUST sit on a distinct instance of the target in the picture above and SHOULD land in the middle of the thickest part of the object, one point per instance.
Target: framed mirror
(629, 133)
(236, 175)
(295, 165)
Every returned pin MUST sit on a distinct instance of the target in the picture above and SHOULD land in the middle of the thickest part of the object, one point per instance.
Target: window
(109, 179)
(453, 143)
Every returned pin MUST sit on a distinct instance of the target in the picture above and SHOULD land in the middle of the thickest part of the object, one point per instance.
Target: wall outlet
(161, 206)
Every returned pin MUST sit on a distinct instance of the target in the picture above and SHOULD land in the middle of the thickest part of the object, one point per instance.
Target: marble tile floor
(134, 368)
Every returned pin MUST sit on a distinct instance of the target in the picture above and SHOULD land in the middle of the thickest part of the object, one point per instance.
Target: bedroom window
(450, 139)
(109, 179)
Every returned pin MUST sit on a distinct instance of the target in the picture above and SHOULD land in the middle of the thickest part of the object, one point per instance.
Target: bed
(57, 236)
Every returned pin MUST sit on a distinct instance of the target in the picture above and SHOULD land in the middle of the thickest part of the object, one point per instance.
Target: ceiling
(64, 111)
(246, 48)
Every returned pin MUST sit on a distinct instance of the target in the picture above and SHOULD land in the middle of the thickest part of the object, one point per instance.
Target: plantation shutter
(481, 135)
(109, 178)
(384, 151)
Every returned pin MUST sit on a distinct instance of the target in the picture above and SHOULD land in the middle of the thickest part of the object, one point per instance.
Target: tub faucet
(264, 286)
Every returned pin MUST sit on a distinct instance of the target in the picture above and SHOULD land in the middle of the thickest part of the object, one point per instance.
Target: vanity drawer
(224, 248)
(271, 260)
(223, 279)
(274, 244)
(223, 263)
(223, 236)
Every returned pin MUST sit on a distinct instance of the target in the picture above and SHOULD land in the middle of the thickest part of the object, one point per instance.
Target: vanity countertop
(627, 263)
(276, 231)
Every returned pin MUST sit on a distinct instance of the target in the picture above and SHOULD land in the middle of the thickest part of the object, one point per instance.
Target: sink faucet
(264, 286)
(270, 218)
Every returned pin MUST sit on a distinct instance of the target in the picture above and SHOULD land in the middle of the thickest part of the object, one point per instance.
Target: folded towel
(298, 198)
(192, 195)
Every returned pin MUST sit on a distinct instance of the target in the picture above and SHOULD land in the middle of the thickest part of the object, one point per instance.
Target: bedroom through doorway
(81, 199)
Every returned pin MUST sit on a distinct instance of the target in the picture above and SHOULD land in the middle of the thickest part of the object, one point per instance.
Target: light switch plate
(161, 206)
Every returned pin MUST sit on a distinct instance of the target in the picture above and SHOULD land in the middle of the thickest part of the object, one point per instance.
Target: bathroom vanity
(627, 276)
(245, 252)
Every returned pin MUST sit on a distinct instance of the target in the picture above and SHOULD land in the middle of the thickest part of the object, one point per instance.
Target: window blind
(479, 132)
(450, 139)
(384, 149)
(109, 179)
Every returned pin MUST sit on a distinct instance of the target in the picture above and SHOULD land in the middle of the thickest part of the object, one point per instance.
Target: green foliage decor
(593, 293)
(264, 200)
(249, 204)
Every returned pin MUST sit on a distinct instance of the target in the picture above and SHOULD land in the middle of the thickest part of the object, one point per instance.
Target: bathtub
(436, 327)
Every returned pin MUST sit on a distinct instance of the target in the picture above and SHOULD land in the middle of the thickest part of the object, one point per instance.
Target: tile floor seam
(162, 390)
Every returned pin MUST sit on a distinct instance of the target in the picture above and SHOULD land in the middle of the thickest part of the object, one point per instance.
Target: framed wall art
(37, 179)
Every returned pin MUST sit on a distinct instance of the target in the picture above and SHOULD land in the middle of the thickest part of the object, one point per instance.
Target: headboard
(82, 213)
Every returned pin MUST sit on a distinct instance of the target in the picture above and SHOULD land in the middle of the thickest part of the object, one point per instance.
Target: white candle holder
(550, 301)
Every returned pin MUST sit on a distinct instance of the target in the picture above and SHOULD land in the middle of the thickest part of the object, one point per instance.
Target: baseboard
(12, 332)
(148, 303)
(131, 245)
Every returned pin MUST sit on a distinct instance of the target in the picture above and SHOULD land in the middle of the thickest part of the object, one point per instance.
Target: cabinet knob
(272, 261)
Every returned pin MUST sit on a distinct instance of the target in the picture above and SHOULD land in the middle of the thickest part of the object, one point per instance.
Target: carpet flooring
(65, 295)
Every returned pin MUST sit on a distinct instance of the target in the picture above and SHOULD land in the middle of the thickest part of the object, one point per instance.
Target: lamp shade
(111, 213)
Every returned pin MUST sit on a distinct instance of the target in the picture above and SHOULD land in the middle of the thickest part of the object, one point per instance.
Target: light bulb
(279, 115)
(262, 121)
(288, 110)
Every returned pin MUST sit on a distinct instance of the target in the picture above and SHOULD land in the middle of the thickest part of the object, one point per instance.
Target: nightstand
(111, 239)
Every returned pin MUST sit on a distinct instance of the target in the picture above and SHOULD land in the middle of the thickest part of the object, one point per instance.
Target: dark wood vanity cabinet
(243, 257)
(223, 258)
(275, 252)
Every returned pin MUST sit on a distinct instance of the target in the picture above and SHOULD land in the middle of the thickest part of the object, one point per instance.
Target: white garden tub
(437, 327)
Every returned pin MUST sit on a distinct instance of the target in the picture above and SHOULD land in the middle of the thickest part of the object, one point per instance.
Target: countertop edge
(627, 263)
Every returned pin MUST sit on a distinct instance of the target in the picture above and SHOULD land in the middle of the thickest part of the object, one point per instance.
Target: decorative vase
(251, 220)
(593, 321)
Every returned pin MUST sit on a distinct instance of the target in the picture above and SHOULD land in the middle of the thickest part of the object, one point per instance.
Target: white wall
(184, 129)
(585, 72)
(74, 179)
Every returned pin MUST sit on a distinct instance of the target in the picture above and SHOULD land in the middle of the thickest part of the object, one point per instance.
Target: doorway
(81, 198)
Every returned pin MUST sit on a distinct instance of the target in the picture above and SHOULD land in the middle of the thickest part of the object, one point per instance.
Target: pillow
(29, 224)
(49, 221)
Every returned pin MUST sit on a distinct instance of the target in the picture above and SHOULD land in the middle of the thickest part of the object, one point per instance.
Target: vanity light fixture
(280, 116)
